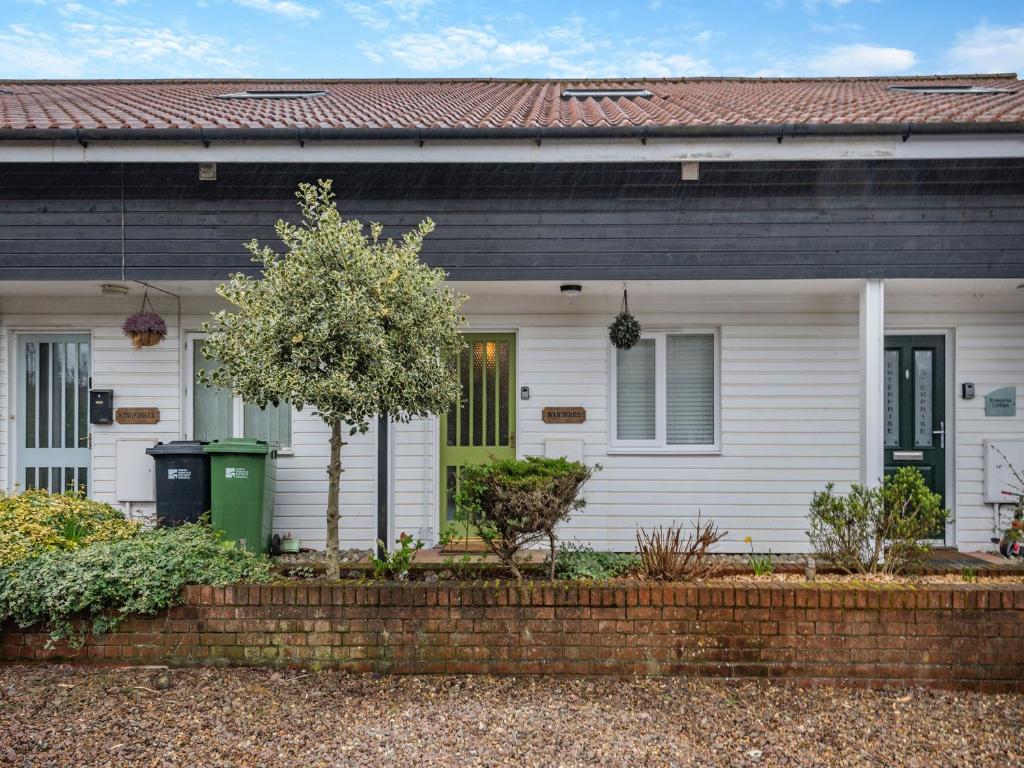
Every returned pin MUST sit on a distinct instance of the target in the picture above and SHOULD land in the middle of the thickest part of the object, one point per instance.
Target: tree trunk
(554, 555)
(333, 501)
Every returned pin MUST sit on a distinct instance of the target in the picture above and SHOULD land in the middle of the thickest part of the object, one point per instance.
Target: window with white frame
(217, 415)
(665, 393)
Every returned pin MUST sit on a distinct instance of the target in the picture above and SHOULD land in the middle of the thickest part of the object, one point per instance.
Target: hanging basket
(145, 329)
(624, 331)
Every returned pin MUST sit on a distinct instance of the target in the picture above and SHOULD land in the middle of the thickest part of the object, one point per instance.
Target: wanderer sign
(564, 415)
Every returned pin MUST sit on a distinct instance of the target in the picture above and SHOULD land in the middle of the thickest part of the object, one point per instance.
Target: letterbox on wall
(101, 406)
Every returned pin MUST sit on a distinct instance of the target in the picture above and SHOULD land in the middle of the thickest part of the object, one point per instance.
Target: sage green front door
(52, 412)
(915, 407)
(482, 427)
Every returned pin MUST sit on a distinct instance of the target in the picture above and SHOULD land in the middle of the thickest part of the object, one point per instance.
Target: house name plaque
(564, 415)
(137, 415)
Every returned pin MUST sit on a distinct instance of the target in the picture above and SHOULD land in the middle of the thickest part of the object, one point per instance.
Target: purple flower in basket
(145, 322)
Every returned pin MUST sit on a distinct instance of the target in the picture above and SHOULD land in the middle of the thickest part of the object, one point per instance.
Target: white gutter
(731, 149)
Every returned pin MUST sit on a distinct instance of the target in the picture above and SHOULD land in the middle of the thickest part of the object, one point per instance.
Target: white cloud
(382, 14)
(157, 48)
(989, 49)
(567, 49)
(26, 53)
(450, 48)
(285, 8)
(860, 59)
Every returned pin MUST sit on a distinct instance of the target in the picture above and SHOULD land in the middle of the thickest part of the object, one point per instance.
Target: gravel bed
(77, 716)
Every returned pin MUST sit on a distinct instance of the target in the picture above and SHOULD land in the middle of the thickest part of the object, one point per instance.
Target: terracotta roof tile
(164, 104)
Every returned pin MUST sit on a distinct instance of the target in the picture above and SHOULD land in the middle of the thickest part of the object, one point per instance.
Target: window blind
(272, 424)
(635, 391)
(690, 389)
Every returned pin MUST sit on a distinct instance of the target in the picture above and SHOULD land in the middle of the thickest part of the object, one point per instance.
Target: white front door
(52, 415)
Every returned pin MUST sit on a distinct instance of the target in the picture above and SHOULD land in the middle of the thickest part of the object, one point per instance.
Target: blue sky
(505, 38)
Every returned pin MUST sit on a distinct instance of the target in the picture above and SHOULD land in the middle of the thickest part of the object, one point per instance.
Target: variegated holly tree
(342, 321)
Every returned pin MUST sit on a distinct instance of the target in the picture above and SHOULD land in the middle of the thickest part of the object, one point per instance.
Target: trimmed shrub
(37, 521)
(514, 503)
(877, 530)
(103, 583)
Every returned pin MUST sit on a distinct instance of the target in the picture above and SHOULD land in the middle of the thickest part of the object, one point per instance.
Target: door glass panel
(476, 393)
(464, 383)
(451, 480)
(892, 398)
(43, 397)
(635, 391)
(31, 396)
(503, 393)
(491, 375)
(70, 381)
(83, 480)
(83, 395)
(923, 398)
(56, 393)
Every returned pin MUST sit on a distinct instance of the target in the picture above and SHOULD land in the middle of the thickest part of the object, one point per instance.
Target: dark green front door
(915, 407)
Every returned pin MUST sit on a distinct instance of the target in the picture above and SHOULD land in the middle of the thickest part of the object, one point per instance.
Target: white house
(829, 275)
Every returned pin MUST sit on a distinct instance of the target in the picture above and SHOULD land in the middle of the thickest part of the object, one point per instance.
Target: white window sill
(709, 450)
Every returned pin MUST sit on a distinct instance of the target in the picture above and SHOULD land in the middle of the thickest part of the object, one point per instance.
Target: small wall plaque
(1001, 402)
(564, 415)
(137, 415)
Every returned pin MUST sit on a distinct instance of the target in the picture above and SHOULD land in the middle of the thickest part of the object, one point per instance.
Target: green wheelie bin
(242, 474)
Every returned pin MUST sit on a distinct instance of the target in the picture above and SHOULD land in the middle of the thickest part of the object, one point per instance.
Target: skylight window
(606, 93)
(272, 95)
(947, 89)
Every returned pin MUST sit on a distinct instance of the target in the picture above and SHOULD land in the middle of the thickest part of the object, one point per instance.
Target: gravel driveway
(73, 716)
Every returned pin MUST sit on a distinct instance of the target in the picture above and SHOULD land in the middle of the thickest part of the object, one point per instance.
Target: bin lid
(237, 445)
(177, 448)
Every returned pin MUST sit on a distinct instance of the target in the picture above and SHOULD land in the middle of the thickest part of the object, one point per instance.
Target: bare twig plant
(666, 556)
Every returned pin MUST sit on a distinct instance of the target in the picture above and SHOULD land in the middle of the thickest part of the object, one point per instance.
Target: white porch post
(872, 385)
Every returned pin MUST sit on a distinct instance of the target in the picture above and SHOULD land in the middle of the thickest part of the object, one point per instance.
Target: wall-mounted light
(571, 289)
(113, 289)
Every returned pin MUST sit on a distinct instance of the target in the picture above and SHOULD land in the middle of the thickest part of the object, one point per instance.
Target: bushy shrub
(37, 521)
(108, 580)
(581, 562)
(666, 556)
(517, 502)
(877, 530)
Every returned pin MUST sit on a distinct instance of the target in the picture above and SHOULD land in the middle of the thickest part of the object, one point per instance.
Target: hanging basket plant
(624, 331)
(145, 328)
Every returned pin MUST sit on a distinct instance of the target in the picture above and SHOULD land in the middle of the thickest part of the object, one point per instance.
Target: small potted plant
(145, 328)
(624, 331)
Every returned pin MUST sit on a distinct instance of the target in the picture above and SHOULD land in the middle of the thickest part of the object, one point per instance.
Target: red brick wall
(959, 635)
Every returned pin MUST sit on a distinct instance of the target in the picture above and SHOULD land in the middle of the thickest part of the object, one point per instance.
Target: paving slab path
(53, 715)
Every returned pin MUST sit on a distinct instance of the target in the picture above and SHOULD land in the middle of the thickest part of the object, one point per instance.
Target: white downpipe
(872, 383)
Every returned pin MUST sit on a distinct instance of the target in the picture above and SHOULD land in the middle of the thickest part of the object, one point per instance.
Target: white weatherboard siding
(789, 404)
(154, 377)
(790, 380)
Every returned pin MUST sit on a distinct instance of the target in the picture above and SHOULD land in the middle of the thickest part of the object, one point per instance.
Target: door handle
(941, 432)
(87, 440)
